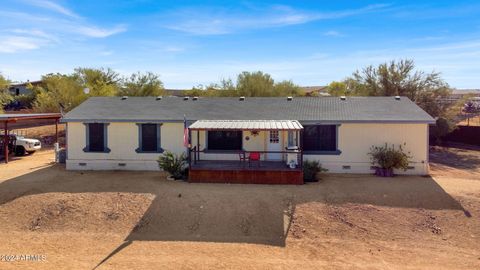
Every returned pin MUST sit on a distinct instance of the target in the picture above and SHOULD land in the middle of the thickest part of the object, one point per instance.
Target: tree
(225, 88)
(443, 126)
(286, 88)
(401, 79)
(139, 84)
(5, 96)
(249, 84)
(58, 90)
(255, 84)
(337, 89)
(470, 108)
(4, 83)
(101, 82)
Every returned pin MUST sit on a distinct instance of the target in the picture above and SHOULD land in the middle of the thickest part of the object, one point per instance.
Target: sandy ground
(140, 220)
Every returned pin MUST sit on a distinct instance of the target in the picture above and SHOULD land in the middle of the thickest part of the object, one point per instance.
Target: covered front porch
(246, 151)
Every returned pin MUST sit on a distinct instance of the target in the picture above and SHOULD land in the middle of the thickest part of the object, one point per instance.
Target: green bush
(174, 164)
(389, 157)
(24, 101)
(5, 98)
(442, 128)
(310, 170)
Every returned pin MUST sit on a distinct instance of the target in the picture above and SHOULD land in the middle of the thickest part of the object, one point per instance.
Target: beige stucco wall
(122, 141)
(354, 141)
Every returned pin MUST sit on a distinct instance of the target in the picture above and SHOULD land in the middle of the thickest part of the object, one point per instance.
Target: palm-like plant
(174, 164)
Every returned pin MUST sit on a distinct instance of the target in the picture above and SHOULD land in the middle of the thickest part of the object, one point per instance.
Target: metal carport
(5, 119)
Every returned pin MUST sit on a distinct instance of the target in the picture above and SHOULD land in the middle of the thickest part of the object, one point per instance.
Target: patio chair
(254, 157)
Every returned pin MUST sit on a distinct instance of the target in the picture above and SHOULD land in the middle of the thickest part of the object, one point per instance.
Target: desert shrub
(442, 128)
(310, 170)
(174, 164)
(20, 102)
(389, 157)
(25, 100)
(5, 98)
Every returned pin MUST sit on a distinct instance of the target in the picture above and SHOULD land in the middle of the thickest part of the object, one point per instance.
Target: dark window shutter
(96, 137)
(320, 138)
(149, 138)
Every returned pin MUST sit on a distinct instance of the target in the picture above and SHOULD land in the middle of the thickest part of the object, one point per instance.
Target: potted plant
(386, 158)
(175, 165)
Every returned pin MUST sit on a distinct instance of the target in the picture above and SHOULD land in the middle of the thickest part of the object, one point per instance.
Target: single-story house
(130, 133)
(17, 89)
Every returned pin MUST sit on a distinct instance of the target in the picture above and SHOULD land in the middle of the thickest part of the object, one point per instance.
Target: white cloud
(21, 31)
(333, 33)
(97, 32)
(211, 21)
(12, 44)
(15, 40)
(34, 33)
(53, 6)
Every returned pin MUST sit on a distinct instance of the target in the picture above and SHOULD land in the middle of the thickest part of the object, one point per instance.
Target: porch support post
(189, 148)
(297, 139)
(300, 147)
(198, 144)
(5, 142)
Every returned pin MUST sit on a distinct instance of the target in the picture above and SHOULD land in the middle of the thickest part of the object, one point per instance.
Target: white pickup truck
(22, 145)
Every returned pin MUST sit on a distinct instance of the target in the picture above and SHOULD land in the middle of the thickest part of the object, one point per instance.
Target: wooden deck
(265, 172)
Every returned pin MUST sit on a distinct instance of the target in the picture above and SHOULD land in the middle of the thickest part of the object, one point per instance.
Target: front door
(274, 143)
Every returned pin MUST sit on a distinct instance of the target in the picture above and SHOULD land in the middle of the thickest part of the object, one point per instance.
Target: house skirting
(366, 168)
(102, 165)
(152, 165)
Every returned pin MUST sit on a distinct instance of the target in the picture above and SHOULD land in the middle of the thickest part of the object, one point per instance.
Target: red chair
(255, 157)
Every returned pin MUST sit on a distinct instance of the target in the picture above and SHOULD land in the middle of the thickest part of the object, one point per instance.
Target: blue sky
(199, 42)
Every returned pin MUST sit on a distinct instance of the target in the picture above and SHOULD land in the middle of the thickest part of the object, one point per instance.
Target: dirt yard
(139, 220)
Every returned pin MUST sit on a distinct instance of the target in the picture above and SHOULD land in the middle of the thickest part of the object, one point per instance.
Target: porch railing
(194, 155)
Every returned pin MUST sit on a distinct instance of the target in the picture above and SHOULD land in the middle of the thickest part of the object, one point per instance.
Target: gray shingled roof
(327, 109)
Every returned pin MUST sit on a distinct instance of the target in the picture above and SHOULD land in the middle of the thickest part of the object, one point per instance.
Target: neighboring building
(113, 133)
(21, 88)
(315, 90)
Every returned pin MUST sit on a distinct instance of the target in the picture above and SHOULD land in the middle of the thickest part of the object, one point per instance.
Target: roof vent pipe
(289, 98)
(159, 98)
(186, 98)
(343, 98)
(241, 98)
(124, 97)
(397, 97)
(195, 98)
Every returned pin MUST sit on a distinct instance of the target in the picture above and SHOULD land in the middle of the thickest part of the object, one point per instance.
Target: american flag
(185, 132)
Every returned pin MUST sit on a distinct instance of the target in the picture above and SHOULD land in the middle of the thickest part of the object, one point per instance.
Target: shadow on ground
(259, 214)
(460, 158)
